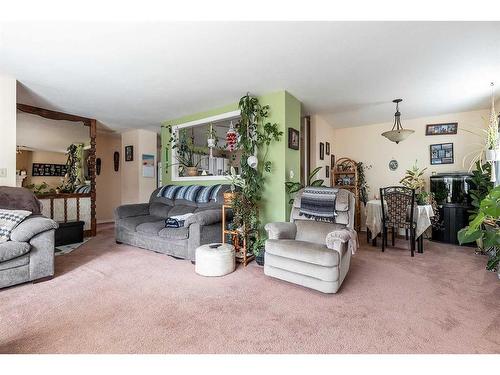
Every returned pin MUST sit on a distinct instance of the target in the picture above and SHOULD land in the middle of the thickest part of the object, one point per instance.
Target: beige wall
(321, 131)
(364, 143)
(135, 187)
(25, 160)
(108, 182)
(8, 130)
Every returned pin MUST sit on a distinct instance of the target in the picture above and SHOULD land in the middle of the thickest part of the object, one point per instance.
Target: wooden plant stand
(345, 167)
(239, 244)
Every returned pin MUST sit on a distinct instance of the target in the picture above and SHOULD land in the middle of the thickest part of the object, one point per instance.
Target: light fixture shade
(398, 135)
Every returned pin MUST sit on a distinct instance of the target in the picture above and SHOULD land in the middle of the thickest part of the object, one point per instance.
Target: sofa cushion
(205, 217)
(188, 192)
(17, 198)
(174, 233)
(130, 223)
(15, 262)
(303, 251)
(9, 219)
(208, 193)
(13, 249)
(151, 228)
(168, 191)
(159, 209)
(315, 231)
(32, 226)
(181, 210)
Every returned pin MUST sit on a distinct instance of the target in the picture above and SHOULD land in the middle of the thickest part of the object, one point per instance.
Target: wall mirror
(205, 149)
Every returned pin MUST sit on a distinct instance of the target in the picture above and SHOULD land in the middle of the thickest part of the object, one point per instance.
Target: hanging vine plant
(256, 134)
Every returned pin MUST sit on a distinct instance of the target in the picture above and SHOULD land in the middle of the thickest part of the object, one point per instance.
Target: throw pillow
(9, 219)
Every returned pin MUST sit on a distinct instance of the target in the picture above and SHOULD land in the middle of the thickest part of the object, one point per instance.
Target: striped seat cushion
(208, 193)
(189, 192)
(168, 191)
(82, 189)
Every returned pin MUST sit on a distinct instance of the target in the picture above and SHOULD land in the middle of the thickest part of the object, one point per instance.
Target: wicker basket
(229, 197)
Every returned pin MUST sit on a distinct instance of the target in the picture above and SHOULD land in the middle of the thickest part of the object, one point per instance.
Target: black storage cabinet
(69, 232)
(451, 191)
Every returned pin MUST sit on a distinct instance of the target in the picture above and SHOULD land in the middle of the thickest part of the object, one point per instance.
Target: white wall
(134, 187)
(8, 130)
(365, 143)
(321, 131)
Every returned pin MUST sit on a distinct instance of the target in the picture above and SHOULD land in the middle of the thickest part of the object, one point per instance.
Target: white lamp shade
(398, 135)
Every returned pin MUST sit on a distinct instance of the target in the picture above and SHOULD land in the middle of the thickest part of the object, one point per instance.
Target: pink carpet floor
(108, 298)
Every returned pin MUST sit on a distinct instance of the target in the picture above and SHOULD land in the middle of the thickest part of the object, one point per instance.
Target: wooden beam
(53, 115)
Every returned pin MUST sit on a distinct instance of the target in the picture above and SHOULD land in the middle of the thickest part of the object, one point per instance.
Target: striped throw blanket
(318, 203)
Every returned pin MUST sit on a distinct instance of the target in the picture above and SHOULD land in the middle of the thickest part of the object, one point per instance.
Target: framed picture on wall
(328, 148)
(442, 153)
(293, 139)
(321, 151)
(327, 171)
(148, 165)
(129, 153)
(441, 129)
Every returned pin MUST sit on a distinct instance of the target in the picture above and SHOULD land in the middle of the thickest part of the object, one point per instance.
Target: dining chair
(398, 203)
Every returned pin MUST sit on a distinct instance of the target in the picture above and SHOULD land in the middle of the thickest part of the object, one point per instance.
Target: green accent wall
(285, 111)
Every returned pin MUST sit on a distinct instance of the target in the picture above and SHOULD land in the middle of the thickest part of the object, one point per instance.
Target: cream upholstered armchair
(311, 253)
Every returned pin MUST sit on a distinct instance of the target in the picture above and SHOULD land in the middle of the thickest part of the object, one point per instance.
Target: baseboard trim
(105, 221)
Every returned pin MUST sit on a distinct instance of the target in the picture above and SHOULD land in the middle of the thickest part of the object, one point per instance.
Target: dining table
(421, 216)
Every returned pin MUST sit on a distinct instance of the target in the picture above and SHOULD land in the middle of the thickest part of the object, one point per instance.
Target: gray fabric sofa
(311, 253)
(143, 224)
(29, 254)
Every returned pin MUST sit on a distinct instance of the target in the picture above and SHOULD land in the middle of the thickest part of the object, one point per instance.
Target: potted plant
(236, 182)
(185, 151)
(414, 179)
(211, 137)
(293, 187)
(255, 133)
(486, 227)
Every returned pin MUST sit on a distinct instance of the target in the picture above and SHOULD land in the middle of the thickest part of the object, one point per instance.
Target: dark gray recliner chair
(29, 254)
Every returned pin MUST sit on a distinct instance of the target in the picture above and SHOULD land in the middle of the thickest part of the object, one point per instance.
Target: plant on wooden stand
(255, 134)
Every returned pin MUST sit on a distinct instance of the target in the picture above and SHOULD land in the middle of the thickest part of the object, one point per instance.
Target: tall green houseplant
(255, 136)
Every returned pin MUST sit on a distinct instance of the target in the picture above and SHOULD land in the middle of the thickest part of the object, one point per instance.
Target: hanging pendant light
(397, 133)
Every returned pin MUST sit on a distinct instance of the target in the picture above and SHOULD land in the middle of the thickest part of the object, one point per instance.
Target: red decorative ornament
(231, 138)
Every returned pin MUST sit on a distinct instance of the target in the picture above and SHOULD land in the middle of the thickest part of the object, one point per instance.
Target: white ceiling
(38, 133)
(135, 75)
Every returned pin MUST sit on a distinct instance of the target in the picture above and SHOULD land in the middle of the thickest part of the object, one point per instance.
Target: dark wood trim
(52, 208)
(92, 172)
(63, 195)
(53, 115)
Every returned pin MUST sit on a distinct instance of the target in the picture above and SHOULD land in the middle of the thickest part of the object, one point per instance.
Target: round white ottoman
(215, 261)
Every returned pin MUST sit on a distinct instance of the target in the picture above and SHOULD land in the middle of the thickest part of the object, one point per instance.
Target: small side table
(235, 236)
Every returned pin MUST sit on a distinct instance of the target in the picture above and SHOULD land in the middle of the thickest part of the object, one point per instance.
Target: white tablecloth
(422, 216)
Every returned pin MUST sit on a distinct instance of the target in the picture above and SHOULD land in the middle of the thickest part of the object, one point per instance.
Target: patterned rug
(66, 249)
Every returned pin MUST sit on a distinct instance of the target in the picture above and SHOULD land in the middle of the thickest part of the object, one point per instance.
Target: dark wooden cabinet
(452, 218)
